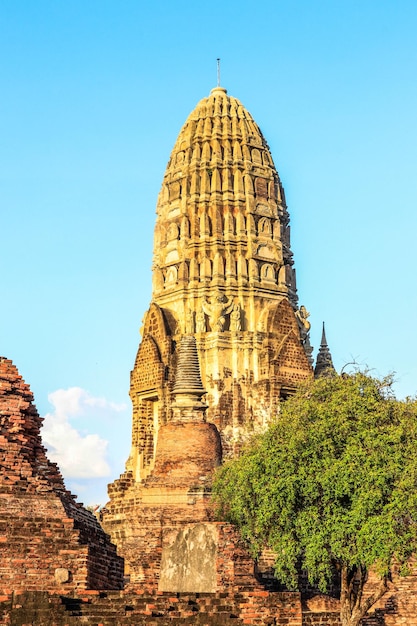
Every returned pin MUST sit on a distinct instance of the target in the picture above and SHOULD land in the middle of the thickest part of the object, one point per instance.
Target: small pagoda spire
(188, 388)
(324, 362)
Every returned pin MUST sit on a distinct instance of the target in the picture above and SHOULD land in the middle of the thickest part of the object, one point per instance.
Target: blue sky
(93, 95)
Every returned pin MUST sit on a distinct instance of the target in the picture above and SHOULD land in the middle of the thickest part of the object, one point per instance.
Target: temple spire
(324, 362)
(188, 387)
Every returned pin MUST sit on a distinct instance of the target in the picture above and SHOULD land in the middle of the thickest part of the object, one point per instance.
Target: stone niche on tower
(223, 274)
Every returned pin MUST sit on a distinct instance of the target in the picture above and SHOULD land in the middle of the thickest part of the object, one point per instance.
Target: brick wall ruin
(48, 541)
(57, 565)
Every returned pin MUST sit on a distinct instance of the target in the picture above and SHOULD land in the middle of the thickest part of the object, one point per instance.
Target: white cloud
(79, 453)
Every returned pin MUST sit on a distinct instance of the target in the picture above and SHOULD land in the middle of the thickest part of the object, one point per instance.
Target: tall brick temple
(223, 272)
(223, 275)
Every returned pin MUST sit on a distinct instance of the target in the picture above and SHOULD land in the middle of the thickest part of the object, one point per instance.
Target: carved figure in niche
(217, 311)
(261, 189)
(173, 232)
(304, 325)
(267, 273)
(236, 319)
(172, 275)
(264, 227)
(200, 321)
(256, 156)
(189, 322)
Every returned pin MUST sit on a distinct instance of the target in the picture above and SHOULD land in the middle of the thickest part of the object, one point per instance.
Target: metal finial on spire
(218, 72)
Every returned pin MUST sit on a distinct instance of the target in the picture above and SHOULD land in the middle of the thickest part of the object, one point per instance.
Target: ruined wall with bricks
(144, 517)
(165, 609)
(399, 604)
(44, 535)
(47, 540)
(235, 607)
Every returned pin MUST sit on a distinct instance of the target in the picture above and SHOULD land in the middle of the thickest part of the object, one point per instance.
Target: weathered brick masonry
(46, 536)
(163, 609)
(48, 541)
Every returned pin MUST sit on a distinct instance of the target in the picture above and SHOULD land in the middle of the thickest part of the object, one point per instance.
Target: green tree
(332, 484)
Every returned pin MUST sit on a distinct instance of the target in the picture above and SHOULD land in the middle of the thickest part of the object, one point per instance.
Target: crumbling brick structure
(48, 541)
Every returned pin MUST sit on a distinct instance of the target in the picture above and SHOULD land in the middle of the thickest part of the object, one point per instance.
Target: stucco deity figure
(200, 321)
(189, 322)
(236, 319)
(304, 325)
(217, 310)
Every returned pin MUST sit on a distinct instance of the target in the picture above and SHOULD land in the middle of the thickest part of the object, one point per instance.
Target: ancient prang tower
(223, 272)
(223, 276)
